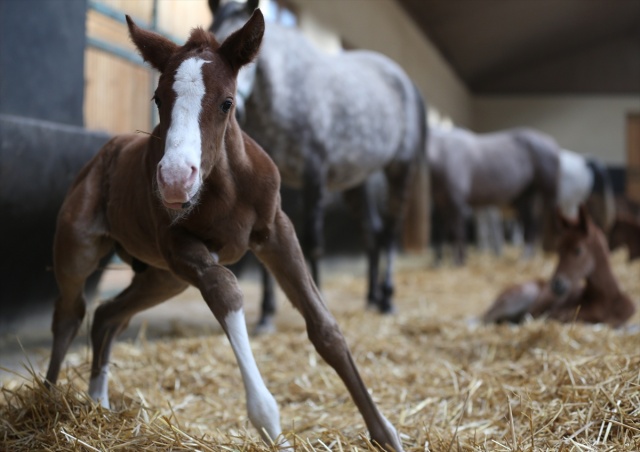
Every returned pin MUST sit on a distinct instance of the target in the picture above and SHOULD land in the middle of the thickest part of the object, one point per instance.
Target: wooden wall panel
(108, 30)
(633, 157)
(117, 94)
(141, 9)
(178, 17)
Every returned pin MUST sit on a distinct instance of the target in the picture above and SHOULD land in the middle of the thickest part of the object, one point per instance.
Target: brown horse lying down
(582, 287)
(179, 204)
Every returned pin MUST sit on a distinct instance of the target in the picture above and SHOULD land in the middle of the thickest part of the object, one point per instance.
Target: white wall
(593, 125)
(383, 26)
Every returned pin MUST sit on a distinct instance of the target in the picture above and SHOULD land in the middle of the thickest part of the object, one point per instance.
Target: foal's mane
(201, 39)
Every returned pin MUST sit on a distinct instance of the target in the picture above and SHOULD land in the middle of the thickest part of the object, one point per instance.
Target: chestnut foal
(583, 286)
(180, 203)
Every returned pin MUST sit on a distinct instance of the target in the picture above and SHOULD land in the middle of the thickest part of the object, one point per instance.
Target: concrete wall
(593, 125)
(385, 27)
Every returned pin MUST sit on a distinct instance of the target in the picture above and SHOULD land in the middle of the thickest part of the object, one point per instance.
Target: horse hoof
(264, 329)
(387, 309)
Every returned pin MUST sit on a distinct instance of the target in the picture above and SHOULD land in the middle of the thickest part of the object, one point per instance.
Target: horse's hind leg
(79, 245)
(525, 207)
(313, 198)
(268, 308)
(148, 288)
(398, 178)
(361, 203)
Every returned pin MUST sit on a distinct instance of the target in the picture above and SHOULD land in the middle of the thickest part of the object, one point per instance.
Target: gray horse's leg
(456, 217)
(398, 178)
(489, 229)
(313, 197)
(363, 206)
(268, 309)
(525, 207)
(439, 233)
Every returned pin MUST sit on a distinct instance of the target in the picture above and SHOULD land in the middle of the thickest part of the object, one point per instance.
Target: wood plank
(633, 157)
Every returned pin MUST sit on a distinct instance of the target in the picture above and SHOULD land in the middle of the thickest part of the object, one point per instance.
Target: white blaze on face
(179, 168)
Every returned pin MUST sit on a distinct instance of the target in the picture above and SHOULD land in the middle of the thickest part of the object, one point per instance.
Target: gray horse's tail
(546, 160)
(416, 224)
(604, 210)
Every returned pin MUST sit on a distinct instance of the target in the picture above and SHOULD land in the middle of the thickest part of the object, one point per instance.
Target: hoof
(264, 327)
(387, 310)
(371, 306)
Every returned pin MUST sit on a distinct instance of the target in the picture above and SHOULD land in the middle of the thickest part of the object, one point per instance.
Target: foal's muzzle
(177, 187)
(559, 286)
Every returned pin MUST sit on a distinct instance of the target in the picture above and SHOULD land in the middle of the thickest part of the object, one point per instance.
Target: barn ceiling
(536, 46)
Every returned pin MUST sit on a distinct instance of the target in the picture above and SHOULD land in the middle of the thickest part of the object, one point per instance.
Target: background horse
(180, 203)
(468, 170)
(583, 286)
(329, 122)
(582, 181)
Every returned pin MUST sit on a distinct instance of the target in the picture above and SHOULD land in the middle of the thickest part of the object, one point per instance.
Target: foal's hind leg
(148, 288)
(363, 206)
(79, 244)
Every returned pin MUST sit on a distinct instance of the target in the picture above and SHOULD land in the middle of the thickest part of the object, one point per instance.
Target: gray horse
(329, 122)
(511, 167)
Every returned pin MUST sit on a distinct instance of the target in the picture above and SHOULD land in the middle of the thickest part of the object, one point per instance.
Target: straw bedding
(444, 380)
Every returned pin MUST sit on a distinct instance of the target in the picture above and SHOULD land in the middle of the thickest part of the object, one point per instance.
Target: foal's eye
(157, 101)
(577, 250)
(226, 106)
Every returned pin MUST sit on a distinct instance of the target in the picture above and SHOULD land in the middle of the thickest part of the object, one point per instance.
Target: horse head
(579, 249)
(195, 97)
(227, 18)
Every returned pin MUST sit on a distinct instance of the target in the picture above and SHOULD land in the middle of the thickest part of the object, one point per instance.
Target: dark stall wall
(38, 162)
(42, 59)
(42, 143)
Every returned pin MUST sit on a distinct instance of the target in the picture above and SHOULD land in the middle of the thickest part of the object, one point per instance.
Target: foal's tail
(417, 222)
(602, 195)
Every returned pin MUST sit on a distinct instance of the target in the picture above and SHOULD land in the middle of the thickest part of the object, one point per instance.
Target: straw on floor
(447, 382)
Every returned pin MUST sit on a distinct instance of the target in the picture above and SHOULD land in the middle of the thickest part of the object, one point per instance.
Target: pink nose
(176, 184)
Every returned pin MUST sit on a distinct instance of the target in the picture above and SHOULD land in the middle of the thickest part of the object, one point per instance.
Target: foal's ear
(242, 45)
(154, 48)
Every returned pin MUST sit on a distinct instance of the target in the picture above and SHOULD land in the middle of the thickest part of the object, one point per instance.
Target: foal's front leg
(192, 261)
(282, 255)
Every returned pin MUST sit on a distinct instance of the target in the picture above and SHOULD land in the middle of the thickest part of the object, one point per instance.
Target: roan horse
(583, 286)
(180, 203)
(328, 122)
(582, 181)
(470, 170)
